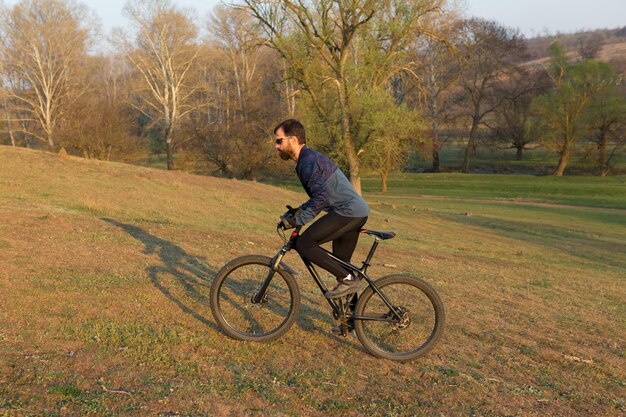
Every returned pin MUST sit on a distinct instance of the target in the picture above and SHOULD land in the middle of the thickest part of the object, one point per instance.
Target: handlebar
(280, 228)
(290, 212)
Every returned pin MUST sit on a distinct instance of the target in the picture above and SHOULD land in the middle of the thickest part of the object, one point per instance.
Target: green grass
(588, 191)
(536, 162)
(105, 271)
(584, 191)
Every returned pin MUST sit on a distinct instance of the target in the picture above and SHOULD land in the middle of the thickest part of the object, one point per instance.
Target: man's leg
(330, 227)
(343, 246)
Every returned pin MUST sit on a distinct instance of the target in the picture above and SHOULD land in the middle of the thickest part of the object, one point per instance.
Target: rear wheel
(414, 333)
(231, 300)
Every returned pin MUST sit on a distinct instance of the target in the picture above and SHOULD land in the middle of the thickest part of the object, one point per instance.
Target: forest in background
(378, 84)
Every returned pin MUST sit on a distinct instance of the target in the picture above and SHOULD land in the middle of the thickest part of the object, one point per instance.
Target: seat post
(367, 260)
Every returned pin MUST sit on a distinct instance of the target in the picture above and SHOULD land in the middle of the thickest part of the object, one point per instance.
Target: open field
(598, 192)
(105, 270)
(539, 161)
(484, 160)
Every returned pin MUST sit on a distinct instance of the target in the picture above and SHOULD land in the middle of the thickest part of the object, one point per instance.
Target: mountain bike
(398, 317)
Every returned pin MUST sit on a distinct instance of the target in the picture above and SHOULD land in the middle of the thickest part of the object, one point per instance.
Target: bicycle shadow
(194, 276)
(190, 272)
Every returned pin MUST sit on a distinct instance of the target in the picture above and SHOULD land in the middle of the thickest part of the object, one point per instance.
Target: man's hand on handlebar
(288, 220)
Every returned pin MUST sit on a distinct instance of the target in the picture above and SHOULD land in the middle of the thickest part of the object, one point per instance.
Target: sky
(532, 17)
(535, 17)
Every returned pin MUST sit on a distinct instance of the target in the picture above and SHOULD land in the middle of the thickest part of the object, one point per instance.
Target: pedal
(337, 331)
(342, 330)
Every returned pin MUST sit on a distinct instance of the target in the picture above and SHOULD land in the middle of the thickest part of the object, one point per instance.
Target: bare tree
(241, 77)
(233, 31)
(435, 79)
(4, 104)
(101, 123)
(164, 52)
(512, 126)
(488, 51)
(589, 45)
(44, 43)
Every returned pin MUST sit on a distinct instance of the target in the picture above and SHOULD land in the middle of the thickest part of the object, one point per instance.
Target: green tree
(563, 111)
(337, 48)
(391, 129)
(606, 117)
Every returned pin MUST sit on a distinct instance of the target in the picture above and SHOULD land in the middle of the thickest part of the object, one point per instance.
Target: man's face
(285, 148)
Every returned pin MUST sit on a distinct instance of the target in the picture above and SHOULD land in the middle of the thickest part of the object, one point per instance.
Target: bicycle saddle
(380, 235)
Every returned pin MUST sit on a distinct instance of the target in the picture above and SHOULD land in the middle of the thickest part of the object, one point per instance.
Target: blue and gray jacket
(327, 187)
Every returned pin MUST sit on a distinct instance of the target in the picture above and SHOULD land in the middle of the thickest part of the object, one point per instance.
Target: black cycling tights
(343, 231)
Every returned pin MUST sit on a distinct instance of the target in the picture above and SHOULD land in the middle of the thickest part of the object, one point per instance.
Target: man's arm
(316, 184)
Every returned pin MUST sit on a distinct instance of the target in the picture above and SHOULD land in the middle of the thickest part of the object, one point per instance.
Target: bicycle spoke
(237, 308)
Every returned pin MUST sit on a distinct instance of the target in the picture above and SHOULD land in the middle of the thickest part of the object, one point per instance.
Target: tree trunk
(12, 135)
(9, 122)
(348, 146)
(469, 147)
(170, 154)
(436, 162)
(519, 154)
(383, 181)
(565, 154)
(223, 167)
(602, 157)
(247, 174)
(50, 141)
(436, 147)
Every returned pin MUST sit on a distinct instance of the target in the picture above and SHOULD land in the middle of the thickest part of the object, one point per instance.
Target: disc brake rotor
(403, 322)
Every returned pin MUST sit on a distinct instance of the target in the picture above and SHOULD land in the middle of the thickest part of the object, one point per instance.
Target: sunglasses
(280, 140)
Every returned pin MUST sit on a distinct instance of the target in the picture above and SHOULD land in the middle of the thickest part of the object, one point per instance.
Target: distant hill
(608, 45)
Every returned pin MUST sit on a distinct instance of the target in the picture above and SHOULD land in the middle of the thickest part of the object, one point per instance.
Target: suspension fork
(274, 266)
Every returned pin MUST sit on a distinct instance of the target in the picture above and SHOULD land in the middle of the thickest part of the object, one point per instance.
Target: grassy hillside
(612, 44)
(105, 270)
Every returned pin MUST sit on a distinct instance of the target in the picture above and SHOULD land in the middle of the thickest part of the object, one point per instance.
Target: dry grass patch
(105, 271)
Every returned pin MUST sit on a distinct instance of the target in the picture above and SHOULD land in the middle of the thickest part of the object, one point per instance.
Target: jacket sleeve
(313, 180)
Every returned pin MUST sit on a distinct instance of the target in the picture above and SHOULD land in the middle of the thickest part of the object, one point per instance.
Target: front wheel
(403, 338)
(232, 292)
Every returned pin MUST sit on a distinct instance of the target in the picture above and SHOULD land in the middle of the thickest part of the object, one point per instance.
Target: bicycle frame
(337, 306)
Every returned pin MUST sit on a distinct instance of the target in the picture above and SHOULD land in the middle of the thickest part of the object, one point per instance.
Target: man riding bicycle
(329, 190)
